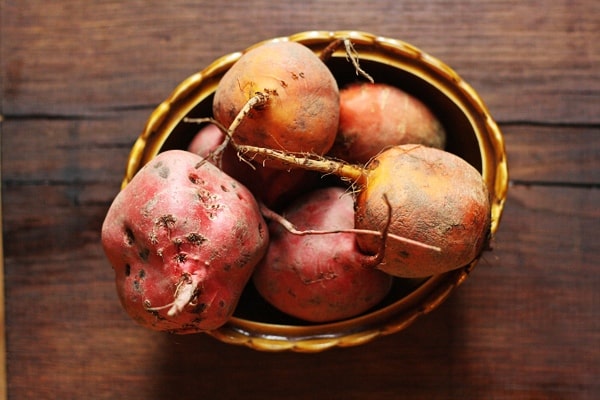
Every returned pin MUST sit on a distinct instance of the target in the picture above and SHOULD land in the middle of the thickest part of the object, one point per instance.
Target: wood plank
(529, 62)
(3, 394)
(83, 162)
(79, 79)
(549, 154)
(74, 151)
(39, 151)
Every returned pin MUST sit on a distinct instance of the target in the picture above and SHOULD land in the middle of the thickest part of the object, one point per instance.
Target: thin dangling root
(185, 292)
(351, 54)
(378, 258)
(259, 99)
(216, 155)
(311, 162)
(330, 49)
(353, 173)
(287, 225)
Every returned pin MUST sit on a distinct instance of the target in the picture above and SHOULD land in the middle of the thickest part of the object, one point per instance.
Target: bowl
(472, 135)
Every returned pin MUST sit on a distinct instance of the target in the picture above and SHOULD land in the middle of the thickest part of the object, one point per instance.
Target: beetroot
(315, 277)
(437, 197)
(183, 239)
(376, 116)
(300, 107)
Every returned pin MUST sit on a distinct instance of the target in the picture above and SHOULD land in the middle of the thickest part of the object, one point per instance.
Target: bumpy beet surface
(183, 239)
(322, 277)
(438, 199)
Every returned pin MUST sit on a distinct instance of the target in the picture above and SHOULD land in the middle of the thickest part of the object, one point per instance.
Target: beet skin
(183, 239)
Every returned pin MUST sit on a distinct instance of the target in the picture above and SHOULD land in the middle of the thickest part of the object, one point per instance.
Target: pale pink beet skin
(376, 116)
(274, 187)
(207, 140)
(181, 226)
(319, 278)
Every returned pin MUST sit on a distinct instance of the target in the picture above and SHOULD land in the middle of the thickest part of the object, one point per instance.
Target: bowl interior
(472, 135)
(251, 306)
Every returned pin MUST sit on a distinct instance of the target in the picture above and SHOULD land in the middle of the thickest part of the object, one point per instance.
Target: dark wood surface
(80, 78)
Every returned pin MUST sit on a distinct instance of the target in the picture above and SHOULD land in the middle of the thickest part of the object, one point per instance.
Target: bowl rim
(432, 291)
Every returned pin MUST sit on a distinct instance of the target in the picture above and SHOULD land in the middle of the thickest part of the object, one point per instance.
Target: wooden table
(79, 79)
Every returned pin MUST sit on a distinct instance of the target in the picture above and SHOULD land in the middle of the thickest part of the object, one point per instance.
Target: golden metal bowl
(472, 134)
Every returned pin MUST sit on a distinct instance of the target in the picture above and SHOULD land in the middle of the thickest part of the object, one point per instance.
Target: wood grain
(78, 80)
(3, 376)
(530, 62)
(542, 154)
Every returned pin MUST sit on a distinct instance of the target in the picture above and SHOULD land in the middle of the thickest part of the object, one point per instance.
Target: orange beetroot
(437, 198)
(374, 116)
(301, 113)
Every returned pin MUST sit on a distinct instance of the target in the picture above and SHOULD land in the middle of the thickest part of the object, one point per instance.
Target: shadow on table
(413, 363)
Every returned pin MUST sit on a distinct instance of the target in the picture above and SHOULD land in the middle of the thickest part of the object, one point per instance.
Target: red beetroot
(319, 277)
(183, 239)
